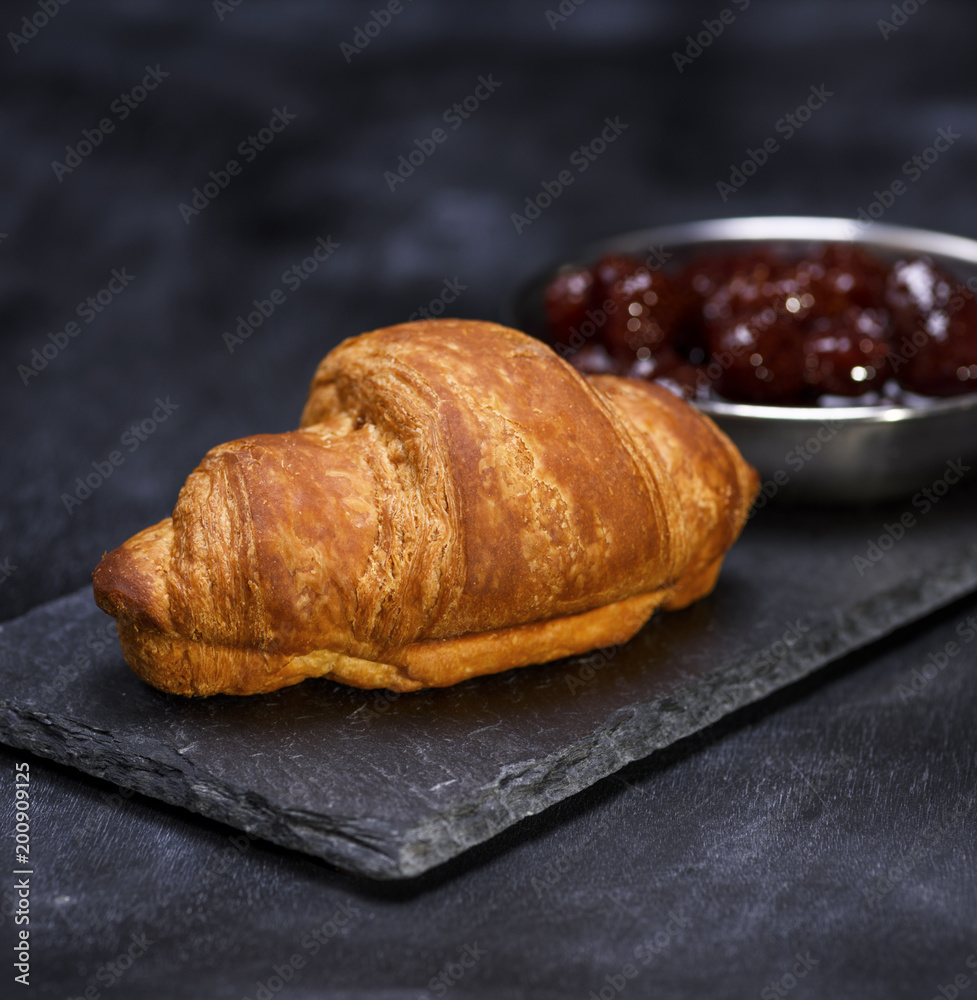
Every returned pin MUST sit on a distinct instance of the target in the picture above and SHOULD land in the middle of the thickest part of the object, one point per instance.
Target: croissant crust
(458, 500)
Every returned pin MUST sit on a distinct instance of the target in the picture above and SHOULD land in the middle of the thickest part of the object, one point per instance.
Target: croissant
(457, 501)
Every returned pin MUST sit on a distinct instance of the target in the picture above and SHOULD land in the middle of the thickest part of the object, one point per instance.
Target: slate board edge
(637, 731)
(380, 851)
(355, 845)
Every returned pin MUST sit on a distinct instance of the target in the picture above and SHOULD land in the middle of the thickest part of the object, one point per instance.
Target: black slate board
(389, 787)
(835, 818)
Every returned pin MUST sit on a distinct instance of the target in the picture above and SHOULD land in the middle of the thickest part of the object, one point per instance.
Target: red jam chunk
(935, 353)
(644, 310)
(760, 326)
(567, 301)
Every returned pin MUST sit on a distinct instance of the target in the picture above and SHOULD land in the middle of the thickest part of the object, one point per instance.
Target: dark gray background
(324, 176)
(761, 878)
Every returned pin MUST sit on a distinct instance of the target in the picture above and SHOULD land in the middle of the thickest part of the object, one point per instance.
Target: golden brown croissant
(458, 501)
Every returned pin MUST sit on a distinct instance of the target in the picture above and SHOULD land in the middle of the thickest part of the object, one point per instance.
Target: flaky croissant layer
(457, 501)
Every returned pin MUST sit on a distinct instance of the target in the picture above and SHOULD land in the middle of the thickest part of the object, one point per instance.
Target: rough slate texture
(390, 788)
(835, 819)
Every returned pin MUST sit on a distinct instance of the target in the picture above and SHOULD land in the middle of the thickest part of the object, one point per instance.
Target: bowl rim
(840, 414)
(800, 228)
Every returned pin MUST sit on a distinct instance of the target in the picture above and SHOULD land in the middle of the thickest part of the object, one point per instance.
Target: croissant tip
(128, 583)
(119, 591)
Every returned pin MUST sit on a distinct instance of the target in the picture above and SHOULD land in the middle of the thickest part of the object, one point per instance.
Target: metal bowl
(822, 454)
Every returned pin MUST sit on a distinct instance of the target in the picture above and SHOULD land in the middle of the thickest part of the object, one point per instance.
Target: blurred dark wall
(228, 69)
